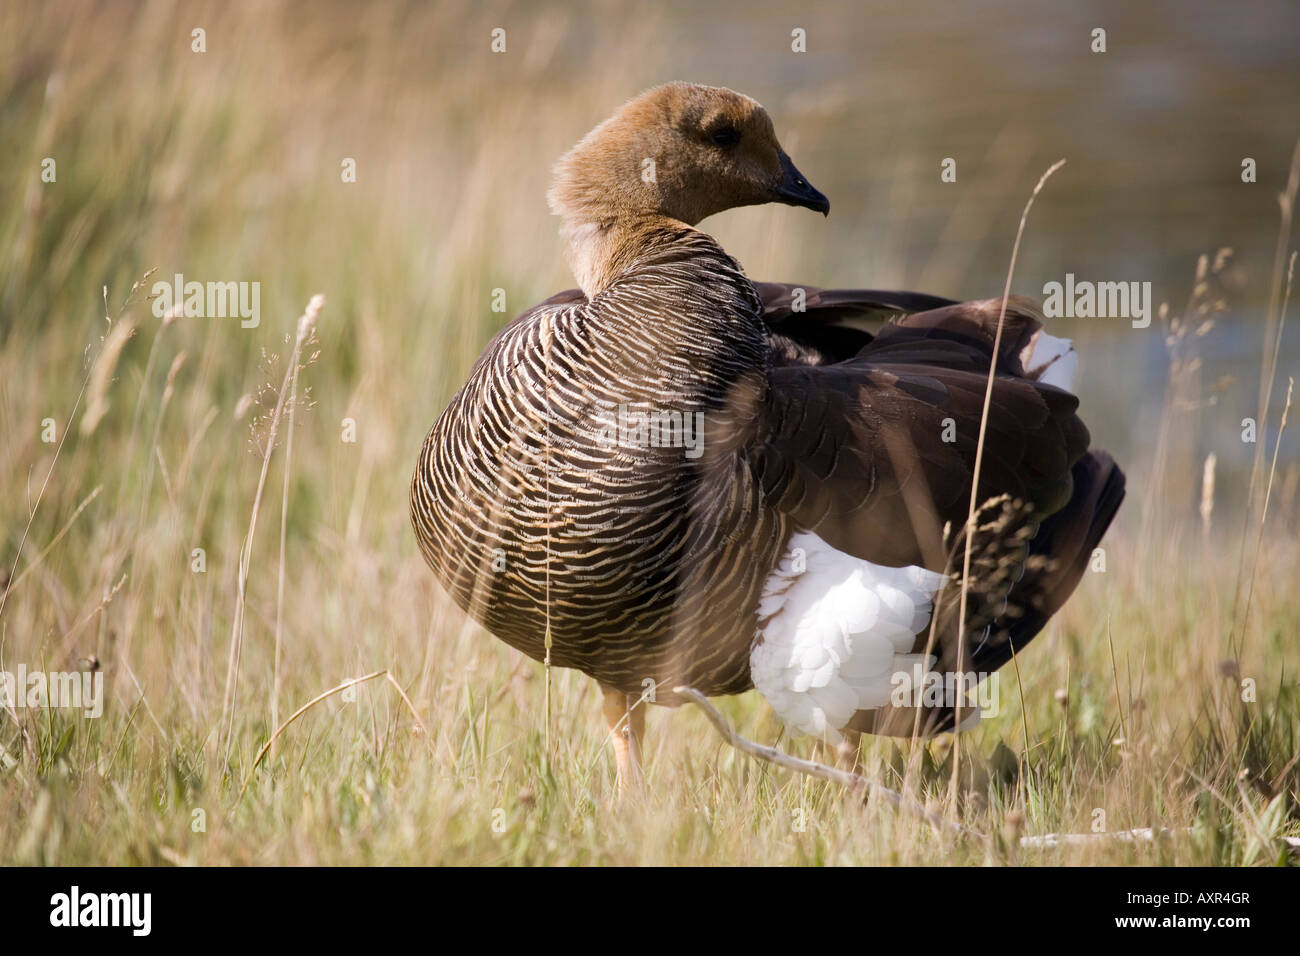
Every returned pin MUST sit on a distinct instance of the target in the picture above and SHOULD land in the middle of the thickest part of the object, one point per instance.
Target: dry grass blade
(305, 324)
(67, 525)
(1268, 496)
(338, 688)
(979, 447)
(1114, 673)
(1276, 302)
(91, 372)
(1279, 293)
(101, 374)
(304, 332)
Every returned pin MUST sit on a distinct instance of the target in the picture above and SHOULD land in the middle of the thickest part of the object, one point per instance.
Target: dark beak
(797, 191)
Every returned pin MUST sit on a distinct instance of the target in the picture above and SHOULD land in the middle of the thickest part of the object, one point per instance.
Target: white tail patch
(832, 635)
(1050, 360)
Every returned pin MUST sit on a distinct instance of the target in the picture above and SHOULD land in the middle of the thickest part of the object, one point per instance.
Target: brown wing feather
(875, 454)
(824, 306)
(825, 325)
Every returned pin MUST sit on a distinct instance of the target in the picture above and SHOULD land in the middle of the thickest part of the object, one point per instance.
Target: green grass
(182, 162)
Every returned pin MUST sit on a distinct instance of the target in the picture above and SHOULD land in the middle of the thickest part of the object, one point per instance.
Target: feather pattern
(664, 567)
(833, 630)
(628, 467)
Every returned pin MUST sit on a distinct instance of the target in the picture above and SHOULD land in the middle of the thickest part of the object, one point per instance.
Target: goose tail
(1060, 553)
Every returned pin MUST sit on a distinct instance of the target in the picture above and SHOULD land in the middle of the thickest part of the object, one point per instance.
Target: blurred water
(1154, 131)
(1123, 377)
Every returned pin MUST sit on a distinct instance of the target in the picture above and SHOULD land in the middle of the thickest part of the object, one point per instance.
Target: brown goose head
(680, 151)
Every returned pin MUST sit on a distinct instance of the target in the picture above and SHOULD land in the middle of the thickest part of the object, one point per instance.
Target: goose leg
(626, 724)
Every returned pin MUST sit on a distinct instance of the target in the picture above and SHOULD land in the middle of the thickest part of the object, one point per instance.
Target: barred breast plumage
(521, 488)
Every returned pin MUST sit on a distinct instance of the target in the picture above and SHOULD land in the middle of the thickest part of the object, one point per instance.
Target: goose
(675, 476)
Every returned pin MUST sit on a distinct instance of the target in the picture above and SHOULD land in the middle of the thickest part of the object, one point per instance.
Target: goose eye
(726, 137)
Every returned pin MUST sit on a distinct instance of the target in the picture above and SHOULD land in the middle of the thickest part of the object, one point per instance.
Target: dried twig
(853, 781)
(1049, 841)
(860, 784)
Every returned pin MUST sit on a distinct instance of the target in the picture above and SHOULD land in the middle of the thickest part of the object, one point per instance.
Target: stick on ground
(845, 778)
(860, 784)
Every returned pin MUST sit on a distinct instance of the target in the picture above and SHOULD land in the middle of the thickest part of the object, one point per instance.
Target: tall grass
(226, 166)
